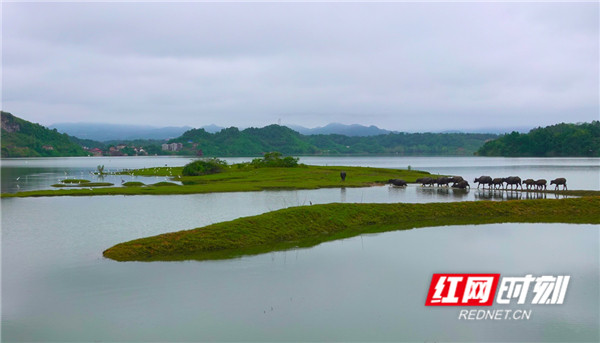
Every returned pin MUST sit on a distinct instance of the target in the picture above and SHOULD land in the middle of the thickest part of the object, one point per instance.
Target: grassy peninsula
(310, 225)
(243, 178)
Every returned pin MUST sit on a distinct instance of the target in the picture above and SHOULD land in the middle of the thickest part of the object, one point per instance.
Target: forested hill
(561, 140)
(253, 142)
(21, 138)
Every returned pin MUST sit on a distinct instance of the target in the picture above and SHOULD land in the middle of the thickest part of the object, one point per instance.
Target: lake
(56, 286)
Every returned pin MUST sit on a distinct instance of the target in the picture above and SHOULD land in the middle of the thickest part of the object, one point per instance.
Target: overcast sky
(400, 66)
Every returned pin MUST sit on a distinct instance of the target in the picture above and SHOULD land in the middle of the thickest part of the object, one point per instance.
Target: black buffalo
(424, 181)
(483, 180)
(397, 182)
(441, 181)
(560, 181)
(457, 179)
(541, 183)
(498, 182)
(343, 175)
(513, 180)
(529, 183)
(461, 184)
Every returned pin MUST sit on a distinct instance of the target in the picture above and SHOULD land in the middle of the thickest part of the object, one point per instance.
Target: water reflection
(493, 194)
(342, 194)
(436, 192)
(40, 173)
(538, 195)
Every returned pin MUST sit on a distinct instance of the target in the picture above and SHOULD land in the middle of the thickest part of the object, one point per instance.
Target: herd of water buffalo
(497, 183)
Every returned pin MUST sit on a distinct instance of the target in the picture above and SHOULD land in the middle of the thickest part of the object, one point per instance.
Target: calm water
(41, 173)
(56, 286)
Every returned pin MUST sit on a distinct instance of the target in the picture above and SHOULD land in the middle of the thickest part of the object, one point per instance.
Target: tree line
(255, 141)
(561, 140)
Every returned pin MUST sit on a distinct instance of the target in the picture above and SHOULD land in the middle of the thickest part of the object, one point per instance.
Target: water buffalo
(456, 179)
(426, 181)
(541, 183)
(443, 181)
(343, 175)
(397, 182)
(559, 181)
(513, 180)
(483, 180)
(529, 183)
(498, 181)
(461, 184)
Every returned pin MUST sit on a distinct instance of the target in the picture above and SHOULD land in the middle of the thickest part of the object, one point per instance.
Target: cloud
(402, 66)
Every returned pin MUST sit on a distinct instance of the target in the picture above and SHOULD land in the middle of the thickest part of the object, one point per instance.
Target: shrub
(204, 167)
(273, 159)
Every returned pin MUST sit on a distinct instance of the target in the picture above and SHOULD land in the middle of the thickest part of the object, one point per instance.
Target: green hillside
(21, 138)
(561, 140)
(254, 142)
(249, 142)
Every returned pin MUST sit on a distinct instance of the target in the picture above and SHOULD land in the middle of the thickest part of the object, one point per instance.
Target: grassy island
(242, 178)
(310, 225)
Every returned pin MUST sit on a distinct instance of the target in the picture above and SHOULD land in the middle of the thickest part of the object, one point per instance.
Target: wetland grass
(310, 225)
(244, 179)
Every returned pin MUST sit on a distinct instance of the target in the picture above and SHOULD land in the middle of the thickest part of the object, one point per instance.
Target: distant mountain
(21, 138)
(212, 128)
(115, 132)
(354, 130)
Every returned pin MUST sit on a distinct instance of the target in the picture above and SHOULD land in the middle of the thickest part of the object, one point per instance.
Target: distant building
(47, 147)
(96, 152)
(172, 147)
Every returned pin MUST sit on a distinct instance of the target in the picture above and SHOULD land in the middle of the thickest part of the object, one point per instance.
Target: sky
(402, 66)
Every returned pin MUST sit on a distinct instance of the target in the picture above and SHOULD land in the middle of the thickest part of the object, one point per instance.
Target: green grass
(154, 171)
(75, 181)
(133, 184)
(84, 184)
(244, 179)
(164, 184)
(310, 225)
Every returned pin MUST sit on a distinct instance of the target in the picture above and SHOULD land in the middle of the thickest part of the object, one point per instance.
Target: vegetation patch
(75, 181)
(246, 178)
(97, 184)
(84, 184)
(310, 225)
(133, 184)
(204, 167)
(164, 184)
(274, 160)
